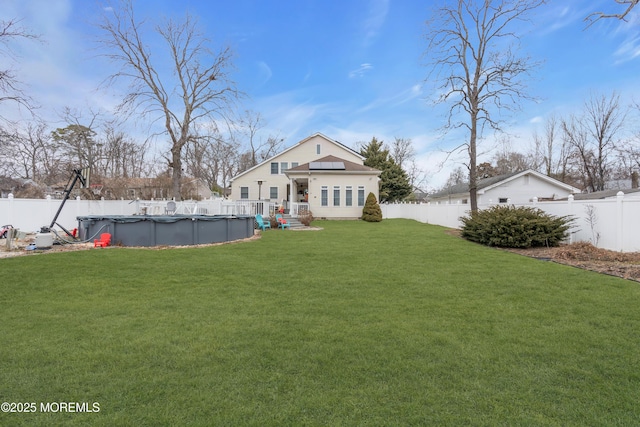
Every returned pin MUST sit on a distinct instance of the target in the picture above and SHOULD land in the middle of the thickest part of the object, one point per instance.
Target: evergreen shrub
(371, 211)
(515, 227)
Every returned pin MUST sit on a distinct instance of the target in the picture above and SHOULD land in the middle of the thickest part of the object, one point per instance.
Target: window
(318, 149)
(360, 196)
(336, 196)
(349, 196)
(273, 193)
(244, 192)
(324, 196)
(503, 200)
(274, 168)
(294, 165)
(283, 167)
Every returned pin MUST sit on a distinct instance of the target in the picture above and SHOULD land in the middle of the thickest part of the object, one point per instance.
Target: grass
(392, 323)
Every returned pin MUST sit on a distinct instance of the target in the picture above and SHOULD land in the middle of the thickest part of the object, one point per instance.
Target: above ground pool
(173, 230)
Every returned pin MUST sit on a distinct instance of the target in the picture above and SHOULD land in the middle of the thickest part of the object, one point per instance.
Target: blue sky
(349, 69)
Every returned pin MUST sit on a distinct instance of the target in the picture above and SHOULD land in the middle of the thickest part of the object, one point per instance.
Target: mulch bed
(586, 256)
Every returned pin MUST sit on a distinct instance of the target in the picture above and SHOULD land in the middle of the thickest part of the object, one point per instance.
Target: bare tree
(457, 177)
(628, 7)
(480, 75)
(121, 156)
(402, 151)
(260, 149)
(594, 136)
(511, 161)
(10, 85)
(198, 89)
(545, 146)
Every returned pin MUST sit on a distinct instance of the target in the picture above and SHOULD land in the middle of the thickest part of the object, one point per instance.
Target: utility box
(44, 240)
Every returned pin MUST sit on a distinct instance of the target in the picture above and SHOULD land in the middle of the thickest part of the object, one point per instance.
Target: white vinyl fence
(609, 223)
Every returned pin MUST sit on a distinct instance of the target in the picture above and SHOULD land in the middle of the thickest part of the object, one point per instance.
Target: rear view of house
(325, 175)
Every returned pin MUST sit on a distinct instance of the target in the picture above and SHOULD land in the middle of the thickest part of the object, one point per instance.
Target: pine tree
(371, 211)
(394, 181)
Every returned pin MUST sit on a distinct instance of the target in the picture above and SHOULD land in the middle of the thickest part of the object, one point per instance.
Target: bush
(511, 227)
(371, 211)
(305, 218)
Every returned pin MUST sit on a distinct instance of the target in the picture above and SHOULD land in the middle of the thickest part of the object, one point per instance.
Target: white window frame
(324, 196)
(361, 200)
(348, 196)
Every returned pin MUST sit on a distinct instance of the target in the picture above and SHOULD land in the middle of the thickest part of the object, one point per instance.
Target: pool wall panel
(177, 230)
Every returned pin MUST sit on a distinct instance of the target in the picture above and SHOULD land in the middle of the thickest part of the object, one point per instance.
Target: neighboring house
(517, 187)
(324, 173)
(419, 195)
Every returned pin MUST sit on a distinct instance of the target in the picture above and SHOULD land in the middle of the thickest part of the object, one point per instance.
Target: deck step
(294, 222)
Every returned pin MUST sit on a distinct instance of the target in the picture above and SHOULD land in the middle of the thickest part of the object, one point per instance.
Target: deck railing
(297, 209)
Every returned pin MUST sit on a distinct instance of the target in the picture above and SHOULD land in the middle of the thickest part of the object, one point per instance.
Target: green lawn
(392, 323)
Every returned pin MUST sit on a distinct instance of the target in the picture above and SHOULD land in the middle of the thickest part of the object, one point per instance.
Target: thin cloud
(265, 71)
(378, 11)
(396, 100)
(360, 71)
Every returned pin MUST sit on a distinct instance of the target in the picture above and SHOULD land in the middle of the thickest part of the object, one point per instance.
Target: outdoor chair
(104, 240)
(262, 223)
(282, 223)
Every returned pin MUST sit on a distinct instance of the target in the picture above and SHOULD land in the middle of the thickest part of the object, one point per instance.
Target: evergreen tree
(371, 211)
(394, 181)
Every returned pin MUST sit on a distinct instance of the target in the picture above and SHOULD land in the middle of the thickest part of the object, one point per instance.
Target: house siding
(521, 189)
(303, 152)
(330, 181)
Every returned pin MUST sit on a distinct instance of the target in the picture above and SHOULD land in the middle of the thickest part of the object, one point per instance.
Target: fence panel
(610, 223)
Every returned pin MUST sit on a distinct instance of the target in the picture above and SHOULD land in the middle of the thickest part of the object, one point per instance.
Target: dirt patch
(21, 247)
(586, 256)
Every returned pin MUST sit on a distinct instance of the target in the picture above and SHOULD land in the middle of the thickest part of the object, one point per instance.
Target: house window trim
(244, 193)
(324, 196)
(336, 195)
(348, 201)
(361, 201)
(277, 168)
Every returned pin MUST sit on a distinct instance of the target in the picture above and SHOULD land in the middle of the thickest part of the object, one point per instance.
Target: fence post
(11, 208)
(619, 215)
(49, 207)
(570, 205)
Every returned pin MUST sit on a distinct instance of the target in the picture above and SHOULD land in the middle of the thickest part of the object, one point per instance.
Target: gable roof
(328, 164)
(486, 184)
(270, 159)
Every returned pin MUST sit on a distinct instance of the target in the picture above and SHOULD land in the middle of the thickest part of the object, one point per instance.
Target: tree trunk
(473, 169)
(177, 172)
